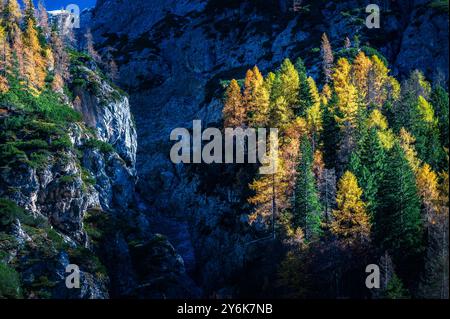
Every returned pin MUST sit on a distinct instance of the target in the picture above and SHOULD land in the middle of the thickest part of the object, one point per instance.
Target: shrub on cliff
(9, 283)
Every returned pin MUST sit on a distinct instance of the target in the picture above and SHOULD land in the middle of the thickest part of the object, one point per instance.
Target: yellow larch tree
(325, 95)
(233, 112)
(248, 87)
(12, 16)
(4, 60)
(257, 99)
(407, 142)
(428, 186)
(351, 222)
(270, 195)
(360, 74)
(287, 84)
(377, 82)
(379, 121)
(393, 89)
(346, 93)
(35, 62)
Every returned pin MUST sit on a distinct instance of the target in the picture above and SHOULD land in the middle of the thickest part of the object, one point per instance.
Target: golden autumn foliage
(378, 120)
(387, 139)
(346, 92)
(4, 59)
(258, 102)
(287, 83)
(351, 221)
(386, 136)
(233, 111)
(428, 186)
(360, 74)
(407, 142)
(393, 89)
(248, 86)
(23, 54)
(425, 109)
(326, 94)
(270, 194)
(12, 16)
(34, 63)
(378, 78)
(355, 129)
(31, 50)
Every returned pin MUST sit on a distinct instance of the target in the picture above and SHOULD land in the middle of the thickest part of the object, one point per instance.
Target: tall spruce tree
(314, 114)
(367, 163)
(307, 208)
(304, 97)
(439, 99)
(398, 224)
(426, 131)
(331, 132)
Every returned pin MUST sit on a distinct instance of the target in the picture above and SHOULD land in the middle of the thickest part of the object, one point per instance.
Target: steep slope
(172, 58)
(67, 196)
(55, 170)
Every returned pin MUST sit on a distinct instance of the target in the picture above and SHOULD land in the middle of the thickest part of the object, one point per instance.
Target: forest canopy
(363, 173)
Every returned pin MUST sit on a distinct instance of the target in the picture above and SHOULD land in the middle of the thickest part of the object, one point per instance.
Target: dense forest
(362, 174)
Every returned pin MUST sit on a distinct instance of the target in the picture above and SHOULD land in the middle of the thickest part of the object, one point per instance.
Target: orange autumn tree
(428, 186)
(35, 66)
(4, 60)
(12, 16)
(259, 107)
(233, 112)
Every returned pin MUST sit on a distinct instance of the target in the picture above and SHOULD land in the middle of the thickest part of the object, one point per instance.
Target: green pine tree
(304, 96)
(367, 163)
(398, 224)
(426, 131)
(395, 289)
(330, 134)
(439, 99)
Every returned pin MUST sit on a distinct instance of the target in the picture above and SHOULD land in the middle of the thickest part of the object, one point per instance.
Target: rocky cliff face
(76, 204)
(82, 176)
(172, 56)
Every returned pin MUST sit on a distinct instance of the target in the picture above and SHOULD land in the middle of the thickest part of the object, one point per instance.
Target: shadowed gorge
(86, 176)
